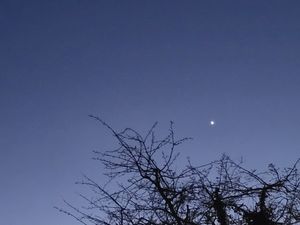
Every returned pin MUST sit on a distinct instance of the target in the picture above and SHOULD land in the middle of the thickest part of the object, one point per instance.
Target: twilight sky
(133, 63)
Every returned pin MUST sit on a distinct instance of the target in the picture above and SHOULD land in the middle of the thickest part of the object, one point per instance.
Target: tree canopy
(147, 188)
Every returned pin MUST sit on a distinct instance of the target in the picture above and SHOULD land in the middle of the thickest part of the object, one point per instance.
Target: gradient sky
(133, 63)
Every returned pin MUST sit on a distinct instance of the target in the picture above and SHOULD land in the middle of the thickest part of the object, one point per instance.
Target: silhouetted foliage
(146, 188)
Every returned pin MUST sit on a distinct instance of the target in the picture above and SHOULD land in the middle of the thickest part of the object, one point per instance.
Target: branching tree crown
(149, 190)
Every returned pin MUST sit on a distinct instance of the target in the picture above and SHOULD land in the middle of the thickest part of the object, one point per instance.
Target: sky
(133, 63)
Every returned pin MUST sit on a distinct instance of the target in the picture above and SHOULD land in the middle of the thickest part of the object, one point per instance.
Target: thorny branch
(150, 191)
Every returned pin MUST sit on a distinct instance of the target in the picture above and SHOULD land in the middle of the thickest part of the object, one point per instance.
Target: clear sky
(133, 63)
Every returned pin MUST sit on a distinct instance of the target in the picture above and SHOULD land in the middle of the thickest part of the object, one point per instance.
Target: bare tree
(147, 188)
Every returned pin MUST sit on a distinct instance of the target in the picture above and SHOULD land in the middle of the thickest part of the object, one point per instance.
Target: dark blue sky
(134, 63)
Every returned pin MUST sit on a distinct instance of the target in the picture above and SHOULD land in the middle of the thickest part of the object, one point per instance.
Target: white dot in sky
(212, 123)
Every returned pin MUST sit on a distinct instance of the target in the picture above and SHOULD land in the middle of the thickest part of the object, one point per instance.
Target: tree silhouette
(146, 187)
